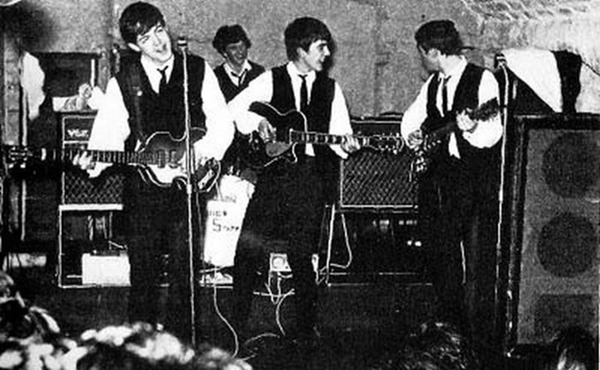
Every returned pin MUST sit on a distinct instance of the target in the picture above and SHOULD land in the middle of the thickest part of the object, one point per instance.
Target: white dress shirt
(111, 127)
(485, 135)
(261, 89)
(234, 76)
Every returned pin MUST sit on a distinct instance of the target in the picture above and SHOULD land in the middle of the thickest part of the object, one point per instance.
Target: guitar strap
(136, 86)
(129, 79)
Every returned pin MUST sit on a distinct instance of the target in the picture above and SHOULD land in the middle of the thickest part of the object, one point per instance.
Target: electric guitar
(291, 129)
(425, 152)
(158, 162)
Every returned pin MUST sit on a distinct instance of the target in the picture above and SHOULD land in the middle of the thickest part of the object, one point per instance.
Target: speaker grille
(562, 311)
(377, 180)
(79, 189)
(567, 245)
(571, 165)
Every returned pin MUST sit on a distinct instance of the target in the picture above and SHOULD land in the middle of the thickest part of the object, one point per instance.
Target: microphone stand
(189, 168)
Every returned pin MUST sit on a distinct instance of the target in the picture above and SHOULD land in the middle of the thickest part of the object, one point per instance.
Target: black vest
(150, 112)
(483, 163)
(229, 89)
(318, 113)
(466, 96)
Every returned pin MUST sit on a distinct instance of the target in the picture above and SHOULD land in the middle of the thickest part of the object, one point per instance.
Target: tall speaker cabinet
(550, 230)
(91, 250)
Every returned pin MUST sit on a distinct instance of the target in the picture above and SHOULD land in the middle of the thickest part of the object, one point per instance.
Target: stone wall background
(376, 63)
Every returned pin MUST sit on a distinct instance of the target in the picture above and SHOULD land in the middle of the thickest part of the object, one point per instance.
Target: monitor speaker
(551, 226)
(373, 180)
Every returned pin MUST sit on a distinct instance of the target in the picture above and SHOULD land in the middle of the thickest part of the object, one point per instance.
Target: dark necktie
(445, 106)
(163, 80)
(303, 94)
(240, 77)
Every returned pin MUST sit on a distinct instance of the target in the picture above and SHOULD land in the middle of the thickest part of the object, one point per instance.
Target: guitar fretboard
(311, 137)
(107, 156)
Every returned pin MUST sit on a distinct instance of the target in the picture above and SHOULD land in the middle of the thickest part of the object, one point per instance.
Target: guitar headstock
(386, 143)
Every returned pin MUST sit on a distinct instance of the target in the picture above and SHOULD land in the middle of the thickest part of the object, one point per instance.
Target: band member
(234, 75)
(147, 97)
(289, 198)
(237, 71)
(458, 191)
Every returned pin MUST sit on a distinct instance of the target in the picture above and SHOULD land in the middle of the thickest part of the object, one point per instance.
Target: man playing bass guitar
(458, 191)
(147, 97)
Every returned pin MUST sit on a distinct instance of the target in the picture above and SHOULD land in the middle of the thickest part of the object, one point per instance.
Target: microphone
(182, 43)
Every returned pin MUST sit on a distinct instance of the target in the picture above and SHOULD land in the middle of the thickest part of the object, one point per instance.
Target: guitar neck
(105, 156)
(483, 112)
(311, 137)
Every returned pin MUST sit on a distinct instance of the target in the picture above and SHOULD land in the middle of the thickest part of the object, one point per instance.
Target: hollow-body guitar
(291, 130)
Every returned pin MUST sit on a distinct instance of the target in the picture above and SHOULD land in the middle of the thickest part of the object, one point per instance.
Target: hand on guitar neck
(84, 160)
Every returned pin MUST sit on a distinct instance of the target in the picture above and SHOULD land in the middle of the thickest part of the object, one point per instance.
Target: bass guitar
(291, 130)
(158, 162)
(425, 152)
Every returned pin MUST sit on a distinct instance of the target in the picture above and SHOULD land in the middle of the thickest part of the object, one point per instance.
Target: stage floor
(361, 320)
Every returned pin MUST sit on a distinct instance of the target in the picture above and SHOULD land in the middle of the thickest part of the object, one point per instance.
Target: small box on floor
(105, 269)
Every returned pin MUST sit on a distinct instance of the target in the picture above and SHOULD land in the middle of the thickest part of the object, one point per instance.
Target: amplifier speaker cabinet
(551, 227)
(373, 180)
(77, 188)
(88, 244)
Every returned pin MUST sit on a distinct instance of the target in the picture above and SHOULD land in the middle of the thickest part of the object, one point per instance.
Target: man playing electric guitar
(289, 198)
(146, 97)
(457, 200)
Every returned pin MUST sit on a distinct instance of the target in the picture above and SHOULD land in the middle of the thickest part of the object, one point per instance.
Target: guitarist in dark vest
(289, 197)
(458, 191)
(144, 98)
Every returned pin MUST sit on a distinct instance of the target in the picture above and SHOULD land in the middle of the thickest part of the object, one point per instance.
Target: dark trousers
(458, 228)
(286, 209)
(159, 253)
(445, 219)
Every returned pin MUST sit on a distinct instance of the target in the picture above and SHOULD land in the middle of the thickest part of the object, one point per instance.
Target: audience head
(302, 32)
(16, 355)
(213, 358)
(20, 321)
(436, 346)
(573, 348)
(139, 346)
(29, 337)
(7, 286)
(441, 35)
